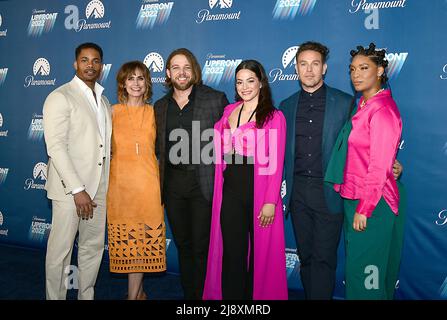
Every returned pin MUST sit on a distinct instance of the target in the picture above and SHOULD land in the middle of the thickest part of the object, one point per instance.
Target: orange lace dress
(135, 216)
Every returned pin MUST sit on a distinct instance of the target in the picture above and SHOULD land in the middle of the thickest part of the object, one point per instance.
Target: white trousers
(65, 225)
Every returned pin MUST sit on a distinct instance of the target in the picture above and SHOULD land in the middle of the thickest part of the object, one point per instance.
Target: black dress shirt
(309, 133)
(180, 119)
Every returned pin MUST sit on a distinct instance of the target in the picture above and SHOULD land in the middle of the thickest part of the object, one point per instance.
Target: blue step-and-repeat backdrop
(37, 42)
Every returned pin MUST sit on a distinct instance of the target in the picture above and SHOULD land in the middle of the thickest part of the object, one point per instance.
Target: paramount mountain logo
(155, 63)
(152, 14)
(3, 133)
(95, 10)
(223, 4)
(40, 176)
(288, 9)
(2, 32)
(41, 69)
(104, 73)
(204, 15)
(35, 130)
(218, 68)
(41, 22)
(287, 72)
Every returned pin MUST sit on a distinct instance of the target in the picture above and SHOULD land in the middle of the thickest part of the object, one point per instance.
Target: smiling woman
(136, 226)
(246, 258)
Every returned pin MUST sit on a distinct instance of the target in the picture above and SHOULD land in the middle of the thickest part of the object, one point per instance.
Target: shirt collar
(98, 88)
(319, 93)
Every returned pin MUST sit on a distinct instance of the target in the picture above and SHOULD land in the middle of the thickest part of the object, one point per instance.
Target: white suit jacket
(74, 144)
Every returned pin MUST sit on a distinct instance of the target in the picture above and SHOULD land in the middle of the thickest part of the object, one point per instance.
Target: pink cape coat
(269, 274)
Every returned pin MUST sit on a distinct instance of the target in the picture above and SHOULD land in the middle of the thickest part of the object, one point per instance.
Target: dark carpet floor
(22, 277)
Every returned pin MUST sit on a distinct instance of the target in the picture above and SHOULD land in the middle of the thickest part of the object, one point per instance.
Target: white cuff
(77, 190)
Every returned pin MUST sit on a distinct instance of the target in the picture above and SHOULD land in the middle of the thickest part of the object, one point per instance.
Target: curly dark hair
(378, 56)
(265, 108)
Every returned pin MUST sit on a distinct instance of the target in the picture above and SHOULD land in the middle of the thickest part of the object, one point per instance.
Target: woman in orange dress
(136, 228)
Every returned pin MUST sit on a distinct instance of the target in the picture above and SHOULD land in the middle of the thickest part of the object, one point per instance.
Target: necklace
(137, 145)
(364, 100)
(239, 121)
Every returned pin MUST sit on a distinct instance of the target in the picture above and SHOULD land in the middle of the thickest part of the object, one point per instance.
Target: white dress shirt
(97, 107)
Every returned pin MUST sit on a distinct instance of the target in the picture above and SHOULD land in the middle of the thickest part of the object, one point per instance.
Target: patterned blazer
(208, 109)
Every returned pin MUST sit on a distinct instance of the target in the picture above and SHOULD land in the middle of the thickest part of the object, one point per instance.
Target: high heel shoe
(142, 296)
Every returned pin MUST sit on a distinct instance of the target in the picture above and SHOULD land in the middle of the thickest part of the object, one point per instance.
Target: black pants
(189, 216)
(317, 233)
(236, 220)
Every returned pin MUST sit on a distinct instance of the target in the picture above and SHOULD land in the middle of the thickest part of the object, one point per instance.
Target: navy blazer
(338, 105)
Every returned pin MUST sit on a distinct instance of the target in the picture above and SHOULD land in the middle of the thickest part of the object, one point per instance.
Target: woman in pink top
(369, 188)
(246, 258)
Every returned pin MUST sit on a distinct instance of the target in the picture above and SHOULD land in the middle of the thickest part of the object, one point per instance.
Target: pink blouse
(242, 139)
(372, 148)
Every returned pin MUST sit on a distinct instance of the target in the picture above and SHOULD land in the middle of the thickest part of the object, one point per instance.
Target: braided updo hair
(376, 56)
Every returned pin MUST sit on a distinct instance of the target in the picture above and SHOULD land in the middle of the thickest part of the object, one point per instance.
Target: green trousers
(373, 256)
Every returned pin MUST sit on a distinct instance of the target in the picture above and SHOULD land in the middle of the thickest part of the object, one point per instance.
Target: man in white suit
(77, 128)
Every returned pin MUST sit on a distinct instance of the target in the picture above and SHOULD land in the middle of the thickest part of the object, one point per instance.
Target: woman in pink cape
(246, 258)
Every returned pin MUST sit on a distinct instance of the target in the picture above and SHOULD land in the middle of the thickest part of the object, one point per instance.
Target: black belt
(182, 167)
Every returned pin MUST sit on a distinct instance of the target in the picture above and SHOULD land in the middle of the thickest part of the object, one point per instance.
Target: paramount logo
(155, 63)
(358, 5)
(41, 68)
(94, 10)
(287, 72)
(40, 175)
(204, 15)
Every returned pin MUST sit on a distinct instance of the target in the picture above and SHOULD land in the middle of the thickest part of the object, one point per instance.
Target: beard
(182, 86)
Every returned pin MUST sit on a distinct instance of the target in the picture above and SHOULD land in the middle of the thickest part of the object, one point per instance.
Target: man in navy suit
(314, 115)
